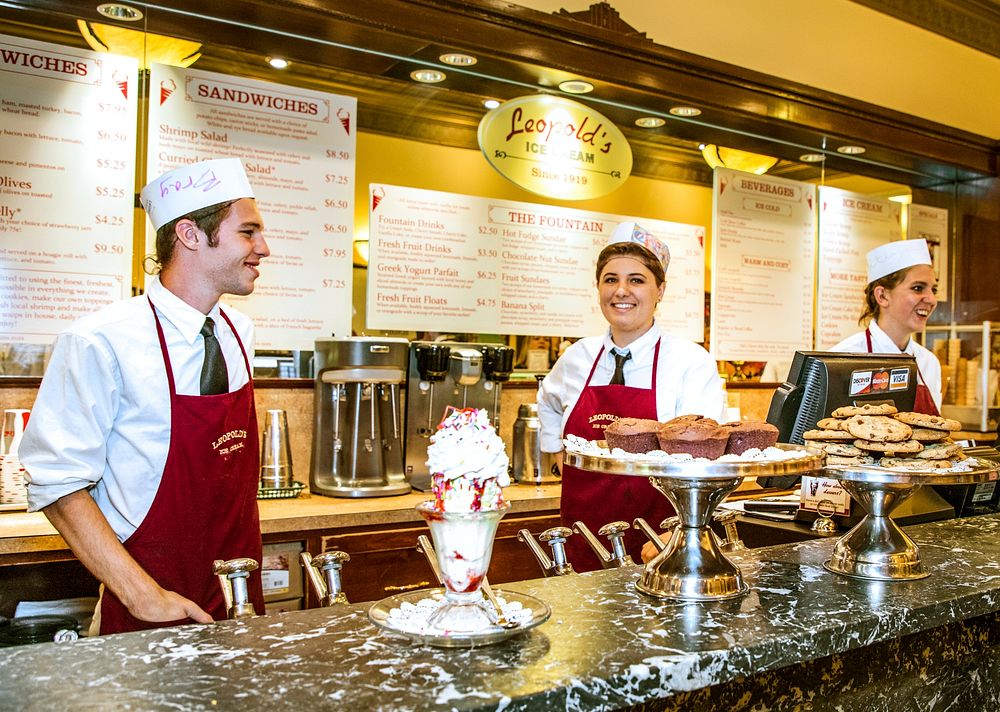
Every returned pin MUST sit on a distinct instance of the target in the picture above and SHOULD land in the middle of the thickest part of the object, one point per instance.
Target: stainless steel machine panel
(358, 436)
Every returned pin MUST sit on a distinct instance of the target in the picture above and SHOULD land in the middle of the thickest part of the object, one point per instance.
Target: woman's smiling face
(906, 307)
(628, 295)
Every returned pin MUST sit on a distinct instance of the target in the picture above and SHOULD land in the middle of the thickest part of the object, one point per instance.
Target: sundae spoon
(501, 619)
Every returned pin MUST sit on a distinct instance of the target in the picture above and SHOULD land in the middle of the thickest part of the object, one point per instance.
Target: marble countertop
(606, 645)
(22, 532)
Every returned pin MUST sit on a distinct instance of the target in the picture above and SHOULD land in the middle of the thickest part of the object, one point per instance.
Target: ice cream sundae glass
(468, 468)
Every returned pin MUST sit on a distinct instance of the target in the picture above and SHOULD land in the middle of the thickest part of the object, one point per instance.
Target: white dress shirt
(102, 415)
(930, 367)
(687, 380)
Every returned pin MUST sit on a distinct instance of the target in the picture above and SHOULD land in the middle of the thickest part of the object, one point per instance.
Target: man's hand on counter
(80, 522)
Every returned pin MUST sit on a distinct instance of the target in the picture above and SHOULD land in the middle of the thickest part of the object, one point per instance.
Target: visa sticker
(899, 379)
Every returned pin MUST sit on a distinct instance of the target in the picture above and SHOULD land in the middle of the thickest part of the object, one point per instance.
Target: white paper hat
(894, 256)
(192, 187)
(633, 232)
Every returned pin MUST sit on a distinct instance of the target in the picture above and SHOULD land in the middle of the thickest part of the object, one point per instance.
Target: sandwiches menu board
(455, 263)
(67, 168)
(298, 148)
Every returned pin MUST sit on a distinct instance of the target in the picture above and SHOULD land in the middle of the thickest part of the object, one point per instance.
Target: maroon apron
(596, 499)
(924, 401)
(206, 505)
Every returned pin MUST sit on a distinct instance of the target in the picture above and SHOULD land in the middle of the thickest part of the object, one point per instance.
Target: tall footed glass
(463, 542)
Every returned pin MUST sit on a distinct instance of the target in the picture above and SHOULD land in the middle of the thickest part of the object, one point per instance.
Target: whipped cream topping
(468, 462)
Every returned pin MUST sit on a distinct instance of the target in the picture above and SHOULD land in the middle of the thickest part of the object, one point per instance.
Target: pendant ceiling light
(722, 157)
(143, 46)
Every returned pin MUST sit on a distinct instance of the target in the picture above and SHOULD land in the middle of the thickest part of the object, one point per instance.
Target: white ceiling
(834, 45)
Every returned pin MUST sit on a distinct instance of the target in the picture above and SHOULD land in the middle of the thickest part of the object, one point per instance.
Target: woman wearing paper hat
(142, 449)
(900, 296)
(633, 370)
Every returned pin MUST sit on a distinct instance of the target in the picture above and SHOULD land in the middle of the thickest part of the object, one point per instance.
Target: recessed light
(278, 62)
(649, 122)
(491, 103)
(427, 76)
(851, 150)
(576, 86)
(117, 11)
(457, 59)
(812, 158)
(684, 111)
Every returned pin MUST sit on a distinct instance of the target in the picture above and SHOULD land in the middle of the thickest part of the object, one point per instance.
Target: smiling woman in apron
(900, 296)
(633, 370)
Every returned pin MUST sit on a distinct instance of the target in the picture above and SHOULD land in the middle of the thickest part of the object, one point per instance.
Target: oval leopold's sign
(555, 147)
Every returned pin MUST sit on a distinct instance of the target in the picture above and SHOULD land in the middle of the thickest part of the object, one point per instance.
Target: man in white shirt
(142, 446)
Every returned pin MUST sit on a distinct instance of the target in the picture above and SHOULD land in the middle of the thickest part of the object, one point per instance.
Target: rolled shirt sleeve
(64, 448)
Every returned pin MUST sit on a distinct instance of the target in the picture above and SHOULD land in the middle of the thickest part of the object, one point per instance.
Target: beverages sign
(555, 147)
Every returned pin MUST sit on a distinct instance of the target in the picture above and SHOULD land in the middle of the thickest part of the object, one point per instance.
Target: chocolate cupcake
(697, 438)
(750, 434)
(633, 434)
(690, 418)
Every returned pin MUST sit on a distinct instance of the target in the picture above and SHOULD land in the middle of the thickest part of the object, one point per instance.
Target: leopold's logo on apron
(601, 420)
(239, 435)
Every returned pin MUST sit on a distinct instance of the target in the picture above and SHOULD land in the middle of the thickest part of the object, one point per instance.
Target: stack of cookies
(879, 435)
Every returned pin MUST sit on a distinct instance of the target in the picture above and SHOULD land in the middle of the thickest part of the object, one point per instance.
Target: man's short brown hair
(207, 220)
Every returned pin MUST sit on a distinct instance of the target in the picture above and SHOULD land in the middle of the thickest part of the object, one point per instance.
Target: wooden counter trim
(27, 537)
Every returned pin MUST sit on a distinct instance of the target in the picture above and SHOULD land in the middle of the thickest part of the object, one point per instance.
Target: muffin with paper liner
(467, 462)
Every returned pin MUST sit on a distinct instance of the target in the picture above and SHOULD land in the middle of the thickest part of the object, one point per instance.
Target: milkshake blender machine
(357, 443)
(462, 375)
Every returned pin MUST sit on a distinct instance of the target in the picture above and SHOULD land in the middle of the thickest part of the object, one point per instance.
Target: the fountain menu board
(762, 266)
(298, 148)
(457, 263)
(850, 224)
(67, 167)
(931, 224)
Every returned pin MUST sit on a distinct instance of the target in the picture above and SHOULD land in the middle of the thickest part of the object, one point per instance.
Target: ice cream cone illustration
(345, 119)
(809, 199)
(122, 81)
(167, 87)
(722, 185)
(377, 196)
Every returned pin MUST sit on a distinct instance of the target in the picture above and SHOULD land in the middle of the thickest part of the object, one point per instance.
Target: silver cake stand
(876, 548)
(692, 567)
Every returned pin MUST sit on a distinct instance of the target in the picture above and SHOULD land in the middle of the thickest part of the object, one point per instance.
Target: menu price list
(850, 225)
(762, 266)
(67, 161)
(298, 149)
(447, 262)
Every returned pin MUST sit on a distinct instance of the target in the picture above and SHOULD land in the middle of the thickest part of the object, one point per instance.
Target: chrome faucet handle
(603, 555)
(650, 533)
(615, 532)
(727, 518)
(556, 539)
(331, 563)
(670, 523)
(543, 559)
(233, 575)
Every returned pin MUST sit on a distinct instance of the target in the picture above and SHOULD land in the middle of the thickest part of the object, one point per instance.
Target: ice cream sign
(555, 147)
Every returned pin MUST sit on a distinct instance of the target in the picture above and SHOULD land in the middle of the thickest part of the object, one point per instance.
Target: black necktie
(214, 376)
(618, 379)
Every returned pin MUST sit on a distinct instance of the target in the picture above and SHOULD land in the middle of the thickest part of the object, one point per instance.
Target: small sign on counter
(818, 489)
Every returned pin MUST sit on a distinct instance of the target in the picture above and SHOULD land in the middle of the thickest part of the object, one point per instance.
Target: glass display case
(970, 360)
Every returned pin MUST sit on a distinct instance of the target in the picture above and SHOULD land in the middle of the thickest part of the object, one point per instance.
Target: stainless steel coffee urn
(358, 437)
(528, 463)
